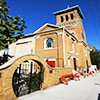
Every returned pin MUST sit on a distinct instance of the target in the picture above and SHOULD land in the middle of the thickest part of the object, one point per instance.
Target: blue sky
(38, 12)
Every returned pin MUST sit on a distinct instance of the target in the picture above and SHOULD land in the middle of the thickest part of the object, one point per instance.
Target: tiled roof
(70, 9)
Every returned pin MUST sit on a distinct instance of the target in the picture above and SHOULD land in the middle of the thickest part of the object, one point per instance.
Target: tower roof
(70, 9)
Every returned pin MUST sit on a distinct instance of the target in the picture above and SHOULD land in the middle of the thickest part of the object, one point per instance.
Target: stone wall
(51, 76)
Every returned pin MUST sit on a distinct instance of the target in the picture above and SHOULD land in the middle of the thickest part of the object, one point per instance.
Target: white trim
(67, 67)
(45, 43)
(80, 43)
(45, 26)
(58, 33)
(48, 49)
(50, 59)
(68, 62)
(36, 37)
(64, 47)
(71, 26)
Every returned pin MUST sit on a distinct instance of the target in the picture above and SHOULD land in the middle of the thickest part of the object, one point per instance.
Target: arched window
(72, 16)
(62, 19)
(66, 17)
(48, 43)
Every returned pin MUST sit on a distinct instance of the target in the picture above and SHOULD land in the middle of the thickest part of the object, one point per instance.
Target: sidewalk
(86, 89)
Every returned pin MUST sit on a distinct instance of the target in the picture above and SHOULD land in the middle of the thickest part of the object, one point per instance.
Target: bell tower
(68, 16)
(71, 18)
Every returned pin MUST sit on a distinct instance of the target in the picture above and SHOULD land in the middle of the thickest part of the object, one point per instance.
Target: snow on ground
(86, 89)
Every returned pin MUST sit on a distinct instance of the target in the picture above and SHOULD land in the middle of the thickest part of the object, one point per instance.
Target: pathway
(85, 89)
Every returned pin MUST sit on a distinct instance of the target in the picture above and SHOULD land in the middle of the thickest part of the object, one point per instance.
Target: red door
(51, 63)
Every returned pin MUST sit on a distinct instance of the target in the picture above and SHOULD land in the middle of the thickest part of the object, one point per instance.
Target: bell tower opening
(72, 16)
(68, 16)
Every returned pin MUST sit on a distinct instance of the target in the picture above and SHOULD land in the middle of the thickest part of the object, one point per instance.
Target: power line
(98, 15)
(97, 8)
(94, 22)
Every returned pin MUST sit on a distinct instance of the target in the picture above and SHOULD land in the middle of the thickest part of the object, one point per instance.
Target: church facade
(62, 45)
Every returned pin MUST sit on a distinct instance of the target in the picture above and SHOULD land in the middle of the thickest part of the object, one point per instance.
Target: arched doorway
(27, 78)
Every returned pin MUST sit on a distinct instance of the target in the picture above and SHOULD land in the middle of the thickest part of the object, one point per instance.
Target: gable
(46, 27)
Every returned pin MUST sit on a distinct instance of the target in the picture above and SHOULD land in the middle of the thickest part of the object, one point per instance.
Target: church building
(62, 45)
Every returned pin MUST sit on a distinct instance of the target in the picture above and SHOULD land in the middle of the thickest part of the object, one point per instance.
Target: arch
(8, 72)
(72, 16)
(67, 17)
(50, 75)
